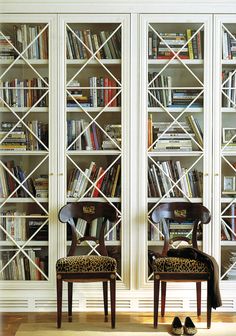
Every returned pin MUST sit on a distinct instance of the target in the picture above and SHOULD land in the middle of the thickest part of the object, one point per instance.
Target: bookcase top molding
(121, 6)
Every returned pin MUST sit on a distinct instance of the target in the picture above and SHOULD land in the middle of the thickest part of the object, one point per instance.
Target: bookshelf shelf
(25, 109)
(24, 153)
(94, 152)
(173, 199)
(98, 199)
(175, 153)
(31, 243)
(226, 243)
(94, 109)
(176, 109)
(108, 243)
(22, 62)
(94, 62)
(175, 62)
(24, 200)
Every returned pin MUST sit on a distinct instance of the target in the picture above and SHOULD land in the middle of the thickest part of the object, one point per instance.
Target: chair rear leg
(113, 300)
(70, 300)
(199, 297)
(59, 300)
(105, 299)
(156, 298)
(208, 305)
(163, 297)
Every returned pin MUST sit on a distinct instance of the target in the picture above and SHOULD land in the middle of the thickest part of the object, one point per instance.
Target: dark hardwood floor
(11, 321)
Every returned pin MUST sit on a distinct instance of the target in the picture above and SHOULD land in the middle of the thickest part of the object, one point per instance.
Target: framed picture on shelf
(229, 134)
(229, 183)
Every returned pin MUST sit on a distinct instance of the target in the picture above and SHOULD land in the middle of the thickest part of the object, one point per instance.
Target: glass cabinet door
(95, 100)
(25, 149)
(178, 113)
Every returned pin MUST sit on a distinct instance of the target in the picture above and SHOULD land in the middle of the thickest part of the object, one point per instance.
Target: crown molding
(121, 6)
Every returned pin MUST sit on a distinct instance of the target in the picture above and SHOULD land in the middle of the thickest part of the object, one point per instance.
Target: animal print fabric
(172, 264)
(86, 264)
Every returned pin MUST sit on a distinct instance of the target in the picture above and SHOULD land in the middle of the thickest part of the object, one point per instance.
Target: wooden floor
(11, 321)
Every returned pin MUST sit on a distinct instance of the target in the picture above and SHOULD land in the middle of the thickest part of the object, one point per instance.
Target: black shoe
(176, 327)
(189, 327)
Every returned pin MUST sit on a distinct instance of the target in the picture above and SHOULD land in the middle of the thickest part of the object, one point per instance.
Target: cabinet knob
(60, 174)
(206, 174)
(217, 174)
(51, 174)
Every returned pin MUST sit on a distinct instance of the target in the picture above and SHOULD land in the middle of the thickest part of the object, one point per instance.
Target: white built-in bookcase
(134, 154)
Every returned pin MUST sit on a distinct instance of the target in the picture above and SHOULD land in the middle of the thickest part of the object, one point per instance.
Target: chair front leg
(199, 297)
(113, 300)
(163, 297)
(105, 299)
(59, 300)
(156, 298)
(70, 300)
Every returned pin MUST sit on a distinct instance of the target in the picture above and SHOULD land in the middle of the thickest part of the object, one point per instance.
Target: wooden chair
(167, 269)
(90, 268)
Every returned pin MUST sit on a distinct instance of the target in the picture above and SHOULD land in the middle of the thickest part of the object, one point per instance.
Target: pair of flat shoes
(187, 329)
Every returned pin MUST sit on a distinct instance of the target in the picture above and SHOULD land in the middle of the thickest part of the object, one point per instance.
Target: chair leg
(156, 298)
(208, 305)
(113, 301)
(163, 297)
(70, 297)
(199, 297)
(105, 300)
(59, 300)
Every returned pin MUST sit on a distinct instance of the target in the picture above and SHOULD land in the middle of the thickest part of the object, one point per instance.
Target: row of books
(20, 227)
(112, 231)
(102, 92)
(9, 183)
(109, 183)
(21, 267)
(18, 137)
(170, 97)
(229, 88)
(165, 45)
(169, 136)
(78, 39)
(24, 93)
(23, 36)
(85, 137)
(162, 177)
(228, 46)
(6, 48)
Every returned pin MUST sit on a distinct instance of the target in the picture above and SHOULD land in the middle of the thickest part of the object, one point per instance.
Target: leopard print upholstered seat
(173, 264)
(86, 264)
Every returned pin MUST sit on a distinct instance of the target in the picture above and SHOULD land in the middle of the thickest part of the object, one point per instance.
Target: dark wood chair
(88, 268)
(170, 269)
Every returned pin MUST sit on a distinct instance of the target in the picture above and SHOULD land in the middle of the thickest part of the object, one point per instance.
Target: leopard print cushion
(86, 264)
(173, 264)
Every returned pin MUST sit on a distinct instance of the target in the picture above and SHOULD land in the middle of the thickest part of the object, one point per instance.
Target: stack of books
(6, 49)
(41, 186)
(174, 139)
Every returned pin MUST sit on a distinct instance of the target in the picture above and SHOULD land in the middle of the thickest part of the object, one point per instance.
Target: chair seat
(86, 264)
(173, 264)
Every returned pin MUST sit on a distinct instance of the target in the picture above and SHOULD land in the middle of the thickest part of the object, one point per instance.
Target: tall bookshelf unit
(177, 63)
(130, 103)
